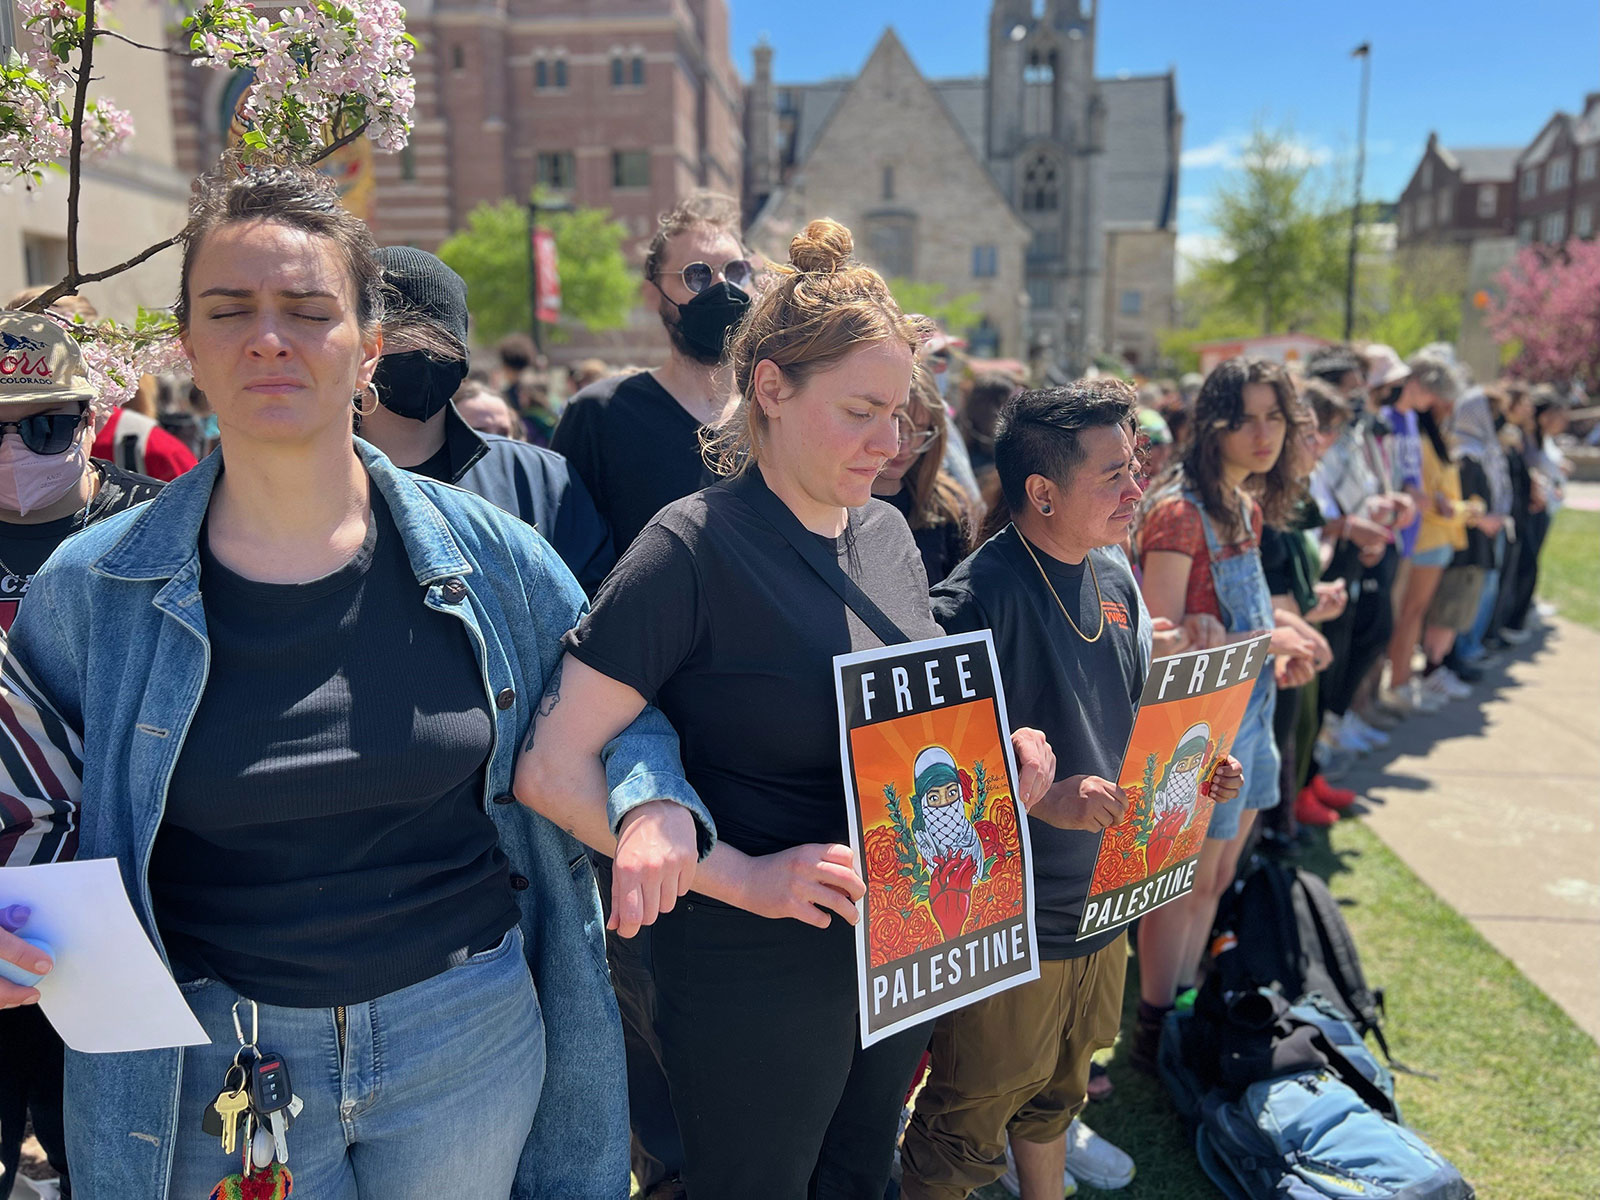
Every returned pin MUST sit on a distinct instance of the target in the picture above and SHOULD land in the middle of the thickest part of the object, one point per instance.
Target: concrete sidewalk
(1495, 803)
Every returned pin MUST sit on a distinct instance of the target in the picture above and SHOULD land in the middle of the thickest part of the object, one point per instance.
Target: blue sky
(1479, 73)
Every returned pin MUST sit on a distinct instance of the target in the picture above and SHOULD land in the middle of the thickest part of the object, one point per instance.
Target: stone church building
(1049, 194)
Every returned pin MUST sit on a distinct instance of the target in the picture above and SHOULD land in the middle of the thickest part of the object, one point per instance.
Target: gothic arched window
(1041, 185)
(1039, 93)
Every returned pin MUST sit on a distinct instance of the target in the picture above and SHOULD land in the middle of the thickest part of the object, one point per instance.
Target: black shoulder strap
(776, 514)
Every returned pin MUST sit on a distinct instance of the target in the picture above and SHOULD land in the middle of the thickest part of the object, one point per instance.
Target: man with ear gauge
(417, 426)
(635, 439)
(1073, 640)
(49, 489)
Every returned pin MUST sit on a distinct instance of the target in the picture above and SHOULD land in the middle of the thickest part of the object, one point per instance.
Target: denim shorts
(1257, 752)
(433, 1094)
(1439, 556)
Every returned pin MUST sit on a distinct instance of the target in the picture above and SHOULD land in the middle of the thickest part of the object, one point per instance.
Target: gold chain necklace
(1092, 575)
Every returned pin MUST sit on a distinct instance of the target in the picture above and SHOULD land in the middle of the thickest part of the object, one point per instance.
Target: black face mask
(704, 323)
(414, 386)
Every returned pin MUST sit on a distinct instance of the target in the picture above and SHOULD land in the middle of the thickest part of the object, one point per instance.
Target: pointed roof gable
(890, 57)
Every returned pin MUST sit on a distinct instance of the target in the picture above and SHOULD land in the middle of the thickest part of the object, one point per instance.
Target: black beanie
(428, 287)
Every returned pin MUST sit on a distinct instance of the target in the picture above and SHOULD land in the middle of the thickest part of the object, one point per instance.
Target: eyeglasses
(697, 276)
(46, 433)
(912, 439)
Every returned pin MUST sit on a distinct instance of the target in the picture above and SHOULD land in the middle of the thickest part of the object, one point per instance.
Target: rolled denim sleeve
(642, 764)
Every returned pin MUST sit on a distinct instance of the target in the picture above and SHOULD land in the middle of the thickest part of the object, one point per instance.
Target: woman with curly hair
(1199, 544)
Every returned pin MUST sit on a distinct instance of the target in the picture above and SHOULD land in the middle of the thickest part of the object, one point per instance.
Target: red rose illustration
(989, 835)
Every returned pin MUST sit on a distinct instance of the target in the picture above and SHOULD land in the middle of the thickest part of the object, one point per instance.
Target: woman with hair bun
(717, 614)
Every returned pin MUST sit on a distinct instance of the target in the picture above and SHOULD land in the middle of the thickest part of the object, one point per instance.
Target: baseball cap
(40, 363)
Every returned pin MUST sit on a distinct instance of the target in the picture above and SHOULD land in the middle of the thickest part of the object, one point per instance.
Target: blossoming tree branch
(321, 76)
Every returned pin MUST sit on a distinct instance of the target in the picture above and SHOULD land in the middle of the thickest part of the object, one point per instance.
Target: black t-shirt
(1082, 695)
(715, 618)
(1479, 551)
(635, 448)
(23, 548)
(325, 840)
(941, 546)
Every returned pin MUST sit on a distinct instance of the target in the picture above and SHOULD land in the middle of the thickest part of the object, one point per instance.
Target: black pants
(1279, 819)
(655, 1150)
(1516, 602)
(1368, 625)
(774, 1096)
(30, 1079)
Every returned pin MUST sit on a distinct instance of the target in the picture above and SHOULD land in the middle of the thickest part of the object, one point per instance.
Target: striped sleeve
(41, 774)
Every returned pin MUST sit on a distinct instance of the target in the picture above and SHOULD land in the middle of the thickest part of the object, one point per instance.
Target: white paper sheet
(108, 991)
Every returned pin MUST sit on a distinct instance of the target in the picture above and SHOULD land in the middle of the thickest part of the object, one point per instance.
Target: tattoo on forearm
(547, 705)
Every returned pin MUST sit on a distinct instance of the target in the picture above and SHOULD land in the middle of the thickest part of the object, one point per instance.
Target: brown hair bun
(824, 246)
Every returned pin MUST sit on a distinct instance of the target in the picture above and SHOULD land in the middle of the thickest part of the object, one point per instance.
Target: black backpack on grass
(1280, 927)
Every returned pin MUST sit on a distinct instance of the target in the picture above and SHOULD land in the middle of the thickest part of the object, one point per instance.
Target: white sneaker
(1013, 1185)
(1424, 699)
(1433, 687)
(1343, 736)
(1096, 1161)
(1454, 684)
(1514, 637)
(1371, 734)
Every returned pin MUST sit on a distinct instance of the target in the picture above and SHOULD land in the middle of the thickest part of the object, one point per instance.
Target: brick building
(1459, 195)
(1558, 178)
(619, 106)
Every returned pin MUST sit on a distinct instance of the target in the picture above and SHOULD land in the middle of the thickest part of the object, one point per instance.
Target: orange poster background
(901, 922)
(1123, 848)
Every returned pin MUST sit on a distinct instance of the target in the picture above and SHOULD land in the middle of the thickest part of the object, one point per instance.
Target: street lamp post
(1364, 53)
(534, 209)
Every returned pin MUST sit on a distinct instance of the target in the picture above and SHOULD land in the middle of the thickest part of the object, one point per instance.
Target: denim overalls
(1246, 606)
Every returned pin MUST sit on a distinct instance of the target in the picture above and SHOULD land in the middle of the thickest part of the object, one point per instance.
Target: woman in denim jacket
(303, 767)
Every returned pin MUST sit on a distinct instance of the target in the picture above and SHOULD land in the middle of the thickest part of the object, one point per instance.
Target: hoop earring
(355, 401)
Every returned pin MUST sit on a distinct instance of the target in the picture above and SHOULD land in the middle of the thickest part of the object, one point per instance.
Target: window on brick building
(1488, 199)
(408, 162)
(636, 71)
(1041, 292)
(1131, 303)
(1525, 230)
(458, 57)
(1427, 175)
(541, 74)
(1586, 162)
(616, 71)
(1041, 186)
(630, 168)
(1556, 173)
(1446, 201)
(1530, 182)
(1424, 214)
(1553, 231)
(561, 73)
(892, 244)
(558, 170)
(888, 183)
(44, 259)
(985, 262)
(1583, 221)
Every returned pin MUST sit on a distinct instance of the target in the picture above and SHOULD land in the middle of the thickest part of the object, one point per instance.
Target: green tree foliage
(1416, 300)
(957, 314)
(1281, 259)
(491, 254)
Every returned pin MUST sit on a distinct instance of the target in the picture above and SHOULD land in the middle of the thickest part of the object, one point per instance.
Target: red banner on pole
(549, 297)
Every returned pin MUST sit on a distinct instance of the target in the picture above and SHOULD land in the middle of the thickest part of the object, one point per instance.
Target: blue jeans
(1257, 752)
(434, 1095)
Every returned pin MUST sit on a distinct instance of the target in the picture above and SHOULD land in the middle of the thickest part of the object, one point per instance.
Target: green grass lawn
(1569, 568)
(1517, 1092)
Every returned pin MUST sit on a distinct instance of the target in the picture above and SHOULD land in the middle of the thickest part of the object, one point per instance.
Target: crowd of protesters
(412, 733)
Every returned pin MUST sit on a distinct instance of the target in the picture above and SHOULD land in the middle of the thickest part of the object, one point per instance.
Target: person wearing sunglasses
(916, 482)
(634, 440)
(49, 489)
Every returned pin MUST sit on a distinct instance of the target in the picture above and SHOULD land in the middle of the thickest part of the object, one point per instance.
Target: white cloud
(1194, 248)
(1228, 151)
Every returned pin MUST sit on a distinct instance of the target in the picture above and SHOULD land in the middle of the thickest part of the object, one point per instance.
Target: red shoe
(1337, 798)
(1308, 810)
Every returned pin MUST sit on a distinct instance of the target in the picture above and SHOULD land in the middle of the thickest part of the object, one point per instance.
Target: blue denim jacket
(113, 630)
